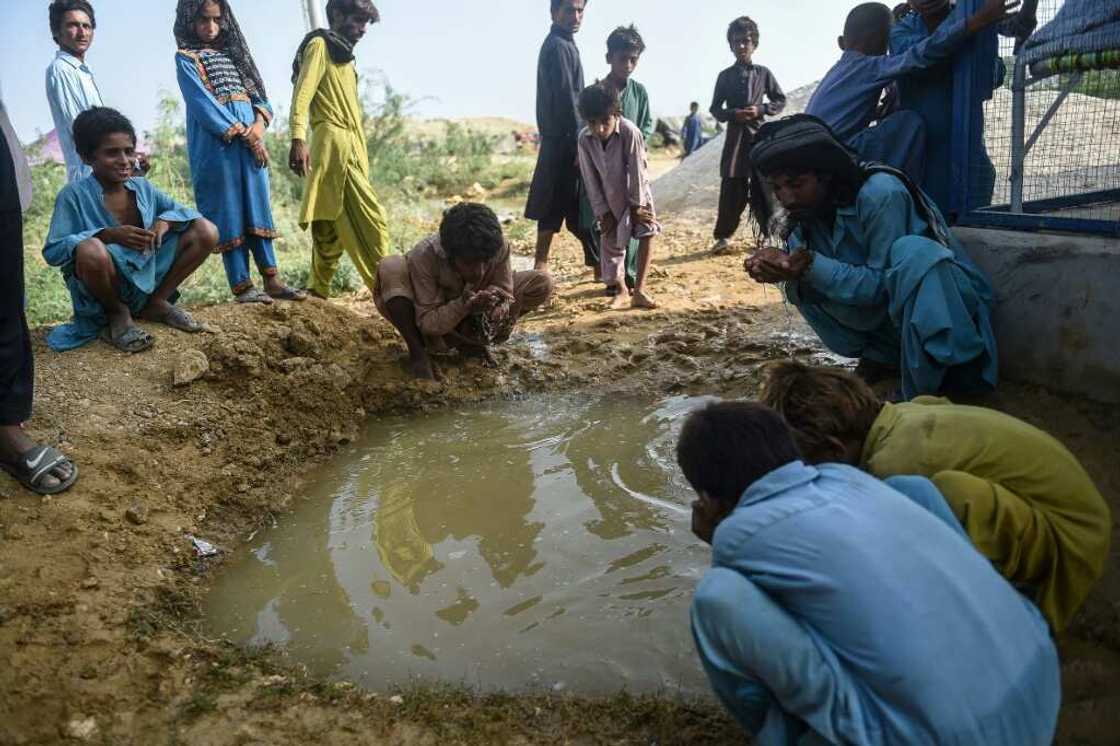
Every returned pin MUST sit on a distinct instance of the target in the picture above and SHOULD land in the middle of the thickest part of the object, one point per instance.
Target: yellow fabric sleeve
(311, 72)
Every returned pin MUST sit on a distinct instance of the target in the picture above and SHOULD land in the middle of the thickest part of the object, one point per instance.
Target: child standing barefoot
(612, 162)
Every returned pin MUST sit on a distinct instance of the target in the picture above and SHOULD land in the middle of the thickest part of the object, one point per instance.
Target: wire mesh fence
(1061, 155)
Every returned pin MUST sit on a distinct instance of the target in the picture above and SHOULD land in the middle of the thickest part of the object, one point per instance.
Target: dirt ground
(100, 628)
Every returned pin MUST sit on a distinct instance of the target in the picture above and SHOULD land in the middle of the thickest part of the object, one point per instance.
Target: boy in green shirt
(624, 48)
(1022, 497)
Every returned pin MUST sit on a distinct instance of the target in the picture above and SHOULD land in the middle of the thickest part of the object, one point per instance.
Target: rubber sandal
(38, 463)
(179, 319)
(289, 294)
(253, 295)
(132, 340)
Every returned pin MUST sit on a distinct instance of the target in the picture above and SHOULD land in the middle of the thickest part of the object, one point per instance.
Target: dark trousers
(733, 193)
(17, 372)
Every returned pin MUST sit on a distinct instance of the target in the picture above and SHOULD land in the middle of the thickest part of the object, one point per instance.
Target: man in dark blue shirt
(692, 133)
(554, 193)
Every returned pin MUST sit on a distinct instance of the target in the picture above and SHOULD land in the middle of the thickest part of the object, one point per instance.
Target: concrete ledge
(1057, 317)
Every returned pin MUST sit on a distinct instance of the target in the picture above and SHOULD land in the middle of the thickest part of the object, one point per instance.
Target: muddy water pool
(518, 545)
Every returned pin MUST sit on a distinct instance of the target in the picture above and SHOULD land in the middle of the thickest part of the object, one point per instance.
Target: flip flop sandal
(289, 294)
(132, 340)
(179, 319)
(37, 464)
(254, 295)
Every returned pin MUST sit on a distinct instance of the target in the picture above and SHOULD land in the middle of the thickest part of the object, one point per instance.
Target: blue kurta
(880, 287)
(230, 189)
(929, 93)
(692, 134)
(839, 611)
(79, 215)
(71, 90)
(848, 96)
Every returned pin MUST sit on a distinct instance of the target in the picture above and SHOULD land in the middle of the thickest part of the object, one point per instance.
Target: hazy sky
(461, 58)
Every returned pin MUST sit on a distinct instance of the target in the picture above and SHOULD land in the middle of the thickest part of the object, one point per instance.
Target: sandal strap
(45, 459)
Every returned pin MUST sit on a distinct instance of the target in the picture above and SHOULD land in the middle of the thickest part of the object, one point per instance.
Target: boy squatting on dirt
(123, 246)
(457, 289)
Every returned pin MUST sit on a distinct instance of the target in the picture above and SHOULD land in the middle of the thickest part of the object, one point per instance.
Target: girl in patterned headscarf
(227, 114)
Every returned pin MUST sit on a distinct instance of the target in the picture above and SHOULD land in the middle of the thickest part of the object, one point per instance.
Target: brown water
(534, 544)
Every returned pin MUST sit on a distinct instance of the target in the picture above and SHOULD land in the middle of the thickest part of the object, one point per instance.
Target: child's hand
(160, 229)
(742, 116)
(753, 112)
(128, 236)
(260, 154)
(607, 223)
(642, 214)
(992, 12)
(254, 134)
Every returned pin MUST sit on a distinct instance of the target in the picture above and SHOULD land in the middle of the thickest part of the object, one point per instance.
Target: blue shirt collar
(70, 59)
(793, 474)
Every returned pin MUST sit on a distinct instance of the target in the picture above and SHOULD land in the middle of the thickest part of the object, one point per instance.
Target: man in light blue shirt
(871, 264)
(848, 98)
(838, 610)
(71, 88)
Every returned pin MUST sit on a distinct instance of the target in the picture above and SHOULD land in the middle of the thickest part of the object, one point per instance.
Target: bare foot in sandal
(39, 468)
(254, 295)
(279, 291)
(163, 312)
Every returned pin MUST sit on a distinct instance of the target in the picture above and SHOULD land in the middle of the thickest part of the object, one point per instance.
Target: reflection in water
(522, 544)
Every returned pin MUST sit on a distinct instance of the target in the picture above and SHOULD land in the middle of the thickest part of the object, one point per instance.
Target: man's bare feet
(482, 354)
(421, 368)
(641, 300)
(722, 247)
(619, 302)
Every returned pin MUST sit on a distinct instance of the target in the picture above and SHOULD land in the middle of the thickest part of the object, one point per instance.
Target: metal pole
(314, 14)
(1018, 134)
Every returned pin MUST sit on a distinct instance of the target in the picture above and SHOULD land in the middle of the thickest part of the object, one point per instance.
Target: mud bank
(100, 625)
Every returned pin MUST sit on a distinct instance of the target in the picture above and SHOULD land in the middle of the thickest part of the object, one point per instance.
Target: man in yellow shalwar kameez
(338, 202)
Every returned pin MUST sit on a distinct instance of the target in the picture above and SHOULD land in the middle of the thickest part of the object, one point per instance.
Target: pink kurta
(614, 175)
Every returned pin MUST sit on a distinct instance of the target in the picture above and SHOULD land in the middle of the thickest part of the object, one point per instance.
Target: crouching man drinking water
(457, 289)
(837, 610)
(871, 264)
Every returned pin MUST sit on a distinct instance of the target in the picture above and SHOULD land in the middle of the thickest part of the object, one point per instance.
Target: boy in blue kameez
(848, 98)
(124, 247)
(871, 264)
(692, 131)
(227, 113)
(840, 609)
(929, 94)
